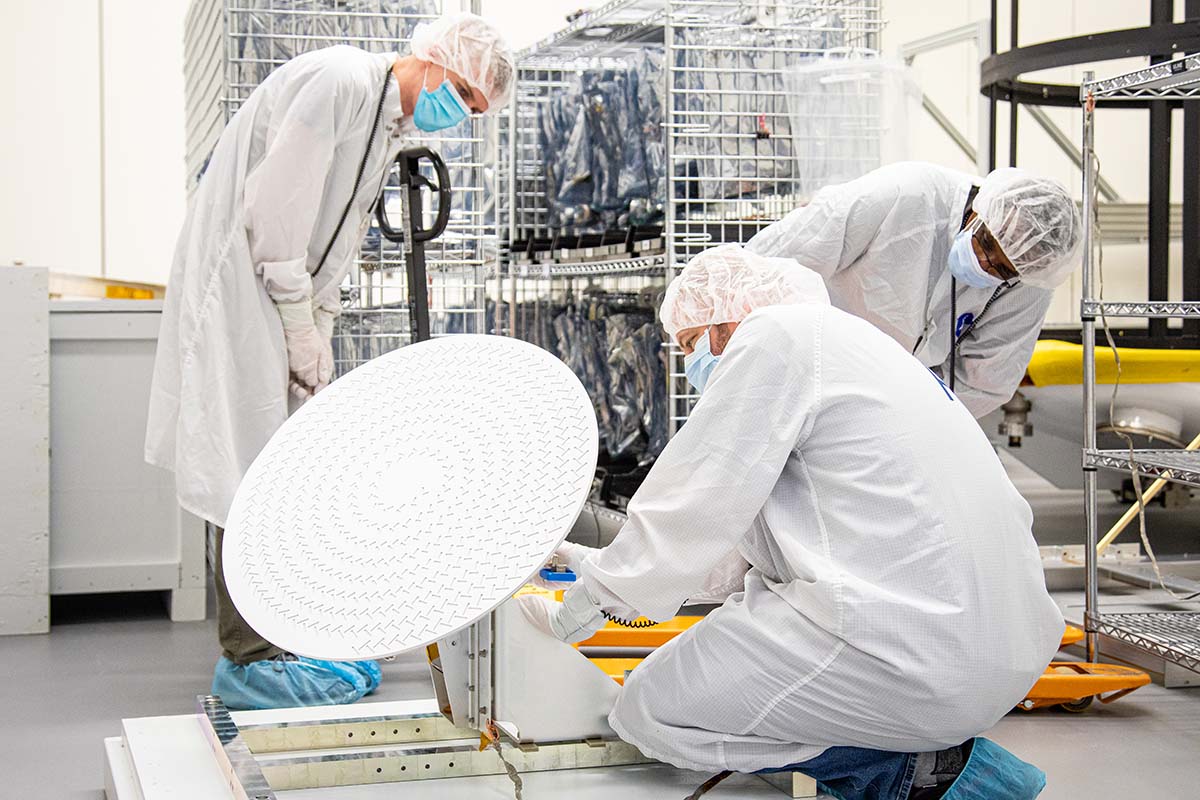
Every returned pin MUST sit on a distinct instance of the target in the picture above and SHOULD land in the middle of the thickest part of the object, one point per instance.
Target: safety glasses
(994, 257)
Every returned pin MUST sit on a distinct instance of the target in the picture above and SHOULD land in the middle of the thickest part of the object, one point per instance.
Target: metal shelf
(610, 25)
(625, 266)
(1178, 79)
(1185, 309)
(1172, 635)
(1181, 466)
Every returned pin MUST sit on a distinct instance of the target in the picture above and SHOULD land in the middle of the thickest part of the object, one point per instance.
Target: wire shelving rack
(726, 135)
(1172, 635)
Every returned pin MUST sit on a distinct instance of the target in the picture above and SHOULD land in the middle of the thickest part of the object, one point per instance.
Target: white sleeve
(715, 475)
(993, 358)
(837, 226)
(284, 189)
(727, 577)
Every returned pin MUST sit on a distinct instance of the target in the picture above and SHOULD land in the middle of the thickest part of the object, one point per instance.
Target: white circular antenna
(410, 498)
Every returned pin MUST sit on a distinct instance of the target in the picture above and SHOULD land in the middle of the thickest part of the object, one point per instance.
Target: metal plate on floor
(410, 498)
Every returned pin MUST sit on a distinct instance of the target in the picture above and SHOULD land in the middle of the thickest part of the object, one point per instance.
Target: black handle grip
(389, 233)
(411, 177)
(443, 190)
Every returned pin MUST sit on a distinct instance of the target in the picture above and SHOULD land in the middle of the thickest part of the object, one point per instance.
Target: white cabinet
(114, 521)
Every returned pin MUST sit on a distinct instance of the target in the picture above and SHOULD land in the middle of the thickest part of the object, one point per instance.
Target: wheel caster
(1078, 706)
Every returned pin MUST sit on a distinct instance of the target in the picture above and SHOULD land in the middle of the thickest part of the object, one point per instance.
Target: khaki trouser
(240, 643)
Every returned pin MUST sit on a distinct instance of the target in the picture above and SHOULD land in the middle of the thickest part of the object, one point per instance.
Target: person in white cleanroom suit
(888, 244)
(895, 607)
(254, 288)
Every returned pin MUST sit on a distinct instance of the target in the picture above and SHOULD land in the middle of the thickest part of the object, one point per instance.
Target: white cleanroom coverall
(896, 598)
(263, 214)
(881, 243)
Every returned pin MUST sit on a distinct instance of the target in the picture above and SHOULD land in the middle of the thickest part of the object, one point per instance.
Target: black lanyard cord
(955, 338)
(362, 167)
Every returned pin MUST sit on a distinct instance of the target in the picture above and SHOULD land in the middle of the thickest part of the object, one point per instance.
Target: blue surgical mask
(700, 363)
(440, 109)
(964, 265)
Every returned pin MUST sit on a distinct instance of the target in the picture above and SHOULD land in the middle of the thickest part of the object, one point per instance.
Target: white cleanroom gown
(265, 209)
(881, 243)
(896, 598)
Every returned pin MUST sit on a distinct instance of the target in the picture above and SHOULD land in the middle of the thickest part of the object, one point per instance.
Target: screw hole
(395, 731)
(418, 730)
(350, 735)
(379, 769)
(372, 733)
(452, 763)
(403, 769)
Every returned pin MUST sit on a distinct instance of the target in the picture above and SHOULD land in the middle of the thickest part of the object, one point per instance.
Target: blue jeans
(851, 773)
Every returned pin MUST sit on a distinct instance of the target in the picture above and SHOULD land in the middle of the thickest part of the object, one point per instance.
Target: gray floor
(109, 658)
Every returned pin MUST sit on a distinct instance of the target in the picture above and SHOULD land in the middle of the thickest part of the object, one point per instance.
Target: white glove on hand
(569, 555)
(304, 349)
(573, 620)
(323, 318)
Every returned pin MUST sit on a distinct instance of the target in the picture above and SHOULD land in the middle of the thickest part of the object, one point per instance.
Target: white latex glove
(573, 620)
(323, 318)
(304, 350)
(569, 555)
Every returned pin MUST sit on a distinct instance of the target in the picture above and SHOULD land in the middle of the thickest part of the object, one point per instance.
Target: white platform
(168, 758)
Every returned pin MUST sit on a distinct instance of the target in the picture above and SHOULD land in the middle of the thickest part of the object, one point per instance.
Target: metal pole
(1013, 105)
(1191, 194)
(669, 204)
(992, 92)
(512, 202)
(1091, 595)
(1159, 231)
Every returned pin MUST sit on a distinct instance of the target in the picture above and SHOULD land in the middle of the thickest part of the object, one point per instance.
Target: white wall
(143, 136)
(92, 155)
(50, 142)
(526, 22)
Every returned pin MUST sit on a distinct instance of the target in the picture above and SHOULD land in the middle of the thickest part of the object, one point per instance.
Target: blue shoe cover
(286, 683)
(993, 773)
(364, 673)
(371, 671)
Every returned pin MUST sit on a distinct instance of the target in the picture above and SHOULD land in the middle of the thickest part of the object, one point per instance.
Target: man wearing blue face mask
(255, 286)
(959, 271)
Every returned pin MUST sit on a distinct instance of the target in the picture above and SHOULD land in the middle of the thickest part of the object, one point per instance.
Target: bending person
(888, 244)
(255, 286)
(895, 608)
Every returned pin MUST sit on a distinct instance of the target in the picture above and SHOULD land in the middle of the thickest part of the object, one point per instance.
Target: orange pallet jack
(1072, 686)
(1069, 685)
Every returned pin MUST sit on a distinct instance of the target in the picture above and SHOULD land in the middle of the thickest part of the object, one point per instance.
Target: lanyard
(387, 80)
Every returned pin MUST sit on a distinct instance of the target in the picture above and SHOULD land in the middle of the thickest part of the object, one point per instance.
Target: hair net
(727, 283)
(472, 47)
(1035, 222)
